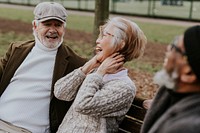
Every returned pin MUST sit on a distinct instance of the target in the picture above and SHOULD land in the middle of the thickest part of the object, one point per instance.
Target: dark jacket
(66, 61)
(173, 113)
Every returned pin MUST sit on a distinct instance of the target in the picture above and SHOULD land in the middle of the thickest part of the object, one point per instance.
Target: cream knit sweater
(99, 105)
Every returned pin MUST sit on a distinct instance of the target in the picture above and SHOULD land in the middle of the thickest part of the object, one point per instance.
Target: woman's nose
(98, 40)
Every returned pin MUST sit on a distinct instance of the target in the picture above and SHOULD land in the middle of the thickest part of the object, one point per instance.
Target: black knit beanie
(192, 48)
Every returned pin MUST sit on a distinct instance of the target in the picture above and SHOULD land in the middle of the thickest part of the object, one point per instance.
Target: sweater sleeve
(111, 99)
(67, 87)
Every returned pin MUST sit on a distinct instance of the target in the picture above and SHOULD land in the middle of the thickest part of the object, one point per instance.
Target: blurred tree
(101, 14)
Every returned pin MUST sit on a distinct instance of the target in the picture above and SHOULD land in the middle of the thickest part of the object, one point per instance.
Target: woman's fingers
(118, 59)
(114, 55)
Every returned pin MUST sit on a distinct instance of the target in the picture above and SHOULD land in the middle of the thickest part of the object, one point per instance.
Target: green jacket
(66, 61)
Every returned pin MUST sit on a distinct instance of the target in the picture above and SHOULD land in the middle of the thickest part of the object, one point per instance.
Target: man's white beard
(50, 46)
(162, 78)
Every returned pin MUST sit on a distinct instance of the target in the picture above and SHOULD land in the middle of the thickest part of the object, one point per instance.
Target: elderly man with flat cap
(176, 107)
(29, 70)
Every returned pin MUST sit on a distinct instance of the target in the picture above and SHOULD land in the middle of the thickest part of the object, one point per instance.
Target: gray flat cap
(50, 10)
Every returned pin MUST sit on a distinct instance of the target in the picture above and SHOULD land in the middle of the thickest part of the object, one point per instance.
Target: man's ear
(190, 78)
(187, 75)
(35, 24)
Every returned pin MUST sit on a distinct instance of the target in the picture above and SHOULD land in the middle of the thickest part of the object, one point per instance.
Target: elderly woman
(101, 89)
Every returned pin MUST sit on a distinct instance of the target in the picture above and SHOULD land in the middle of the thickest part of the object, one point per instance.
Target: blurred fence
(188, 10)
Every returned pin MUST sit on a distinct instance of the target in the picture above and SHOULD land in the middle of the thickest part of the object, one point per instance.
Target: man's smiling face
(50, 32)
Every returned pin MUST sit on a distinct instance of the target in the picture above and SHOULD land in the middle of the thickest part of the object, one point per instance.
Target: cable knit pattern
(67, 87)
(99, 106)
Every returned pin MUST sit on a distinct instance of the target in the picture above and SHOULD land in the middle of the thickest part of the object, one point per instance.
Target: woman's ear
(122, 44)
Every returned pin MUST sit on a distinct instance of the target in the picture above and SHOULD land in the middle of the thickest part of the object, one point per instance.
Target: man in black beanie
(176, 107)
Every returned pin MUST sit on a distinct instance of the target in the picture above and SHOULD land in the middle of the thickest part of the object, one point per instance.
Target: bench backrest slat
(137, 112)
(134, 118)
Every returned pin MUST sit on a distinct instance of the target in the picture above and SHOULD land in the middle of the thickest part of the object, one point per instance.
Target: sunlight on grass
(17, 14)
(143, 66)
(161, 33)
(154, 32)
(82, 49)
(81, 23)
(7, 38)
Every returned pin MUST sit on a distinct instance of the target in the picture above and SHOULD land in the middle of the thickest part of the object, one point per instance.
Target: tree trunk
(101, 15)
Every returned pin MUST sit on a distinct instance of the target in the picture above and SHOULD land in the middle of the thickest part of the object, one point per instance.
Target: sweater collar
(121, 74)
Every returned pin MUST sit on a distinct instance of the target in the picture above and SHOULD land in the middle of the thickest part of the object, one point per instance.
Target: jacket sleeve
(67, 87)
(113, 100)
(5, 59)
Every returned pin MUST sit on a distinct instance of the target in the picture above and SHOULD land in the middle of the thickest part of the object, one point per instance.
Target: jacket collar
(21, 52)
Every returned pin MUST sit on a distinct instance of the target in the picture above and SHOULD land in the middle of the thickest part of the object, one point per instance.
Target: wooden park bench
(134, 118)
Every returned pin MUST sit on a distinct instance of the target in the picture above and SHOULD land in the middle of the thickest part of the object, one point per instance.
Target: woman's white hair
(128, 37)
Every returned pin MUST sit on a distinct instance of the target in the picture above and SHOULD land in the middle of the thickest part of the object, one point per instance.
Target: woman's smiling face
(105, 46)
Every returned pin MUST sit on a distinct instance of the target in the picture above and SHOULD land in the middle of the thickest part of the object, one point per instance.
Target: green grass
(141, 7)
(80, 23)
(160, 33)
(143, 66)
(7, 38)
(16, 14)
(76, 22)
(81, 48)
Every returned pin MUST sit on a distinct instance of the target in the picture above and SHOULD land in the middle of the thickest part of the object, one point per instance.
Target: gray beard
(52, 48)
(162, 78)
